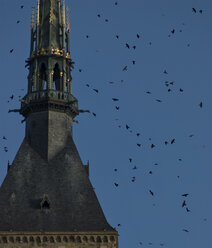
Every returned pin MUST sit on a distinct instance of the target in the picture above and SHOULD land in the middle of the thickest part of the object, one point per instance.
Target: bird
(134, 47)
(158, 100)
(200, 104)
(152, 145)
(116, 3)
(134, 168)
(166, 142)
(173, 30)
(115, 99)
(138, 144)
(152, 193)
(99, 15)
(116, 184)
(18, 21)
(97, 91)
(4, 138)
(194, 10)
(169, 90)
(185, 230)
(180, 159)
(165, 72)
(172, 83)
(11, 50)
(148, 92)
(11, 97)
(188, 210)
(117, 107)
(133, 179)
(183, 204)
(127, 127)
(87, 85)
(117, 36)
(138, 134)
(106, 20)
(138, 36)
(130, 159)
(133, 62)
(150, 172)
(191, 135)
(181, 90)
(119, 225)
(80, 70)
(185, 195)
(94, 114)
(22, 6)
(125, 68)
(87, 36)
(200, 11)
(172, 141)
(5, 149)
(127, 45)
(115, 169)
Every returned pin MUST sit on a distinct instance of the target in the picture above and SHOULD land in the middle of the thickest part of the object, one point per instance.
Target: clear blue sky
(187, 57)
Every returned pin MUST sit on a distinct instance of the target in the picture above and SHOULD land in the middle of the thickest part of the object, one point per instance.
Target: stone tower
(46, 199)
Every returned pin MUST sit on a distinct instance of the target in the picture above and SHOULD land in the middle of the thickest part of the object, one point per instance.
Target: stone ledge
(9, 238)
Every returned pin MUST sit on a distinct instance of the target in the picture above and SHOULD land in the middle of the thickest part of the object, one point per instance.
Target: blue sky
(182, 167)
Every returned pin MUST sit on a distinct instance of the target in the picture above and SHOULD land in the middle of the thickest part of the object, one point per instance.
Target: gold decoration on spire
(63, 14)
(33, 17)
(68, 19)
(51, 14)
(38, 13)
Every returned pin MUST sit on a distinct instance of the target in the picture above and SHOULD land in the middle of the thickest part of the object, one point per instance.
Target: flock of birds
(168, 84)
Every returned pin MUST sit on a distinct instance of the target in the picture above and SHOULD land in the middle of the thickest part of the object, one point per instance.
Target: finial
(33, 17)
(51, 14)
(38, 14)
(68, 19)
(63, 14)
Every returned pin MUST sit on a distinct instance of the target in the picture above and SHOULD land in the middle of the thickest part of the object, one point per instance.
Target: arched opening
(56, 78)
(43, 78)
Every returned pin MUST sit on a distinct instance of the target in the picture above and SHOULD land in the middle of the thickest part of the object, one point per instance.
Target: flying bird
(185, 195)
(11, 50)
(172, 141)
(200, 104)
(116, 184)
(97, 91)
(127, 45)
(125, 68)
(115, 99)
(194, 10)
(183, 204)
(152, 193)
(165, 72)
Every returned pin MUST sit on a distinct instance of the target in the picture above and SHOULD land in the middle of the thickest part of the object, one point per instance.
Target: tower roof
(37, 195)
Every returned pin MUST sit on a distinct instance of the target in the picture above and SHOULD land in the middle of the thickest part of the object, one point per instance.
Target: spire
(68, 19)
(33, 18)
(63, 15)
(38, 13)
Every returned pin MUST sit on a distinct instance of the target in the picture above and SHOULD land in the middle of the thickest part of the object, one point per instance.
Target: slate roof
(73, 205)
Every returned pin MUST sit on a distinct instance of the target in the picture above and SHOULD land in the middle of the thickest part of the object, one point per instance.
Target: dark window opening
(56, 78)
(43, 78)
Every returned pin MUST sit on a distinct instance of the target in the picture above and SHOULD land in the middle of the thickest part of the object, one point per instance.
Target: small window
(45, 203)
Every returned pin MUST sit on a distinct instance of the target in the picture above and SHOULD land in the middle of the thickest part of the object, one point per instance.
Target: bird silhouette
(194, 10)
(201, 104)
(152, 193)
(185, 195)
(116, 184)
(11, 50)
(125, 68)
(172, 141)
(115, 99)
(183, 204)
(127, 45)
(97, 91)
